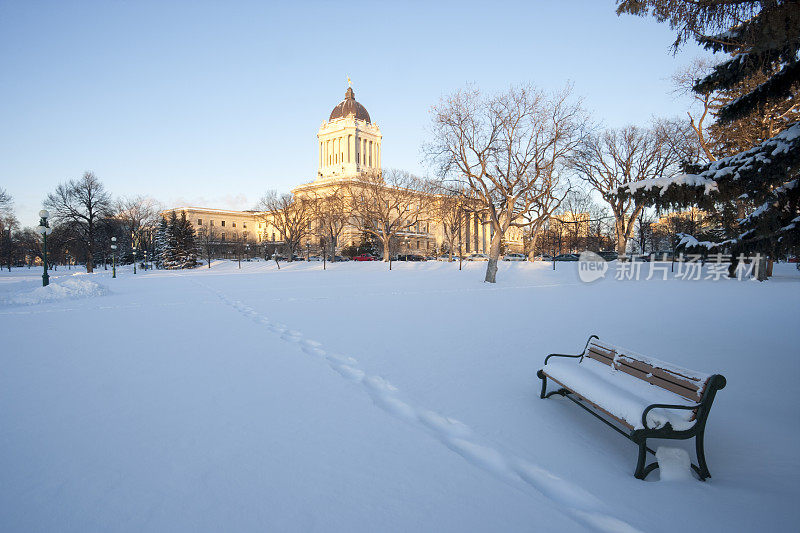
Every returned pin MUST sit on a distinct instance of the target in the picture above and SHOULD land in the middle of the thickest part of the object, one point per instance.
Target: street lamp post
(45, 230)
(113, 257)
(145, 259)
(134, 260)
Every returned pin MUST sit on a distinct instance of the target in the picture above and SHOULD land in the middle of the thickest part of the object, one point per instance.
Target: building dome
(348, 107)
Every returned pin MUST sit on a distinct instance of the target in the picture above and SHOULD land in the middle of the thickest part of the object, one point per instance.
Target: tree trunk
(386, 254)
(89, 261)
(622, 239)
(534, 240)
(762, 274)
(494, 256)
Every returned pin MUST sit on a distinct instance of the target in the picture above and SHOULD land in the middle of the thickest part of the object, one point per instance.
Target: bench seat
(620, 395)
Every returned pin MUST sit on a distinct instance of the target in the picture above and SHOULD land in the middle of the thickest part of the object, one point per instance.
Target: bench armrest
(664, 406)
(561, 355)
(569, 355)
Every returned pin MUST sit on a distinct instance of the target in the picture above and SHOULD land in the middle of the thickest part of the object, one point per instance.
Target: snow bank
(68, 289)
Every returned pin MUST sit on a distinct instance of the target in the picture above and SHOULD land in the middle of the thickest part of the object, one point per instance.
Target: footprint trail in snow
(575, 501)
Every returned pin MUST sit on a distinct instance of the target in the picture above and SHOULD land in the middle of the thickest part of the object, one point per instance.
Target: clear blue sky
(213, 103)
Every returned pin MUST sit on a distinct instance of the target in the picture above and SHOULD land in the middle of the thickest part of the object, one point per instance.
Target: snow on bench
(648, 398)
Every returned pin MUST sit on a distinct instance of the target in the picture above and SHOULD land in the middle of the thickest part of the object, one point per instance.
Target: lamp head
(44, 213)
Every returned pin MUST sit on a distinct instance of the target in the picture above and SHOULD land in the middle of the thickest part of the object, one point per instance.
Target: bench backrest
(686, 383)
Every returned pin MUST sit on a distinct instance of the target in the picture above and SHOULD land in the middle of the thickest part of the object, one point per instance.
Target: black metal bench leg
(701, 457)
(640, 471)
(541, 376)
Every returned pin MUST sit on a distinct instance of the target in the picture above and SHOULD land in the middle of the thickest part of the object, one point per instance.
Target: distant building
(349, 147)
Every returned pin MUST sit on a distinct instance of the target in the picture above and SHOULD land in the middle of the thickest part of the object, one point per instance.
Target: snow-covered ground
(357, 399)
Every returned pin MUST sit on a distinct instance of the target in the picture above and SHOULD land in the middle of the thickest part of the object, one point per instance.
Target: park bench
(640, 397)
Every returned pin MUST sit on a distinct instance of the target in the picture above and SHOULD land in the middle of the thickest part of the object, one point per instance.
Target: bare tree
(388, 204)
(706, 103)
(81, 204)
(574, 215)
(450, 212)
(207, 239)
(139, 217)
(6, 204)
(8, 223)
(290, 215)
(548, 196)
(503, 148)
(331, 216)
(613, 158)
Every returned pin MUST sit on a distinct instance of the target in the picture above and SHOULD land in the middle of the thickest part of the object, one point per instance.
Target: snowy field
(357, 399)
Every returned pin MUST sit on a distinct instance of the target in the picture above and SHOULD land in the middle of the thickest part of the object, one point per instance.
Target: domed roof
(349, 106)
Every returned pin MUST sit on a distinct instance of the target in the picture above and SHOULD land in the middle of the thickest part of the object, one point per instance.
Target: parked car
(543, 257)
(410, 257)
(446, 258)
(340, 259)
(365, 257)
(515, 257)
(477, 257)
(566, 257)
(608, 255)
(315, 258)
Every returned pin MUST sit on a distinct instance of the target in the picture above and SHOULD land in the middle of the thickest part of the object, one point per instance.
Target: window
(199, 221)
(244, 225)
(234, 224)
(223, 236)
(223, 223)
(273, 236)
(210, 222)
(244, 235)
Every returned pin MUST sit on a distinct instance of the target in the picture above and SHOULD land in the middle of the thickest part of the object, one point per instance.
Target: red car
(365, 257)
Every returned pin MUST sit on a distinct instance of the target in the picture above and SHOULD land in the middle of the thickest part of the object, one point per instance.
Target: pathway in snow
(458, 437)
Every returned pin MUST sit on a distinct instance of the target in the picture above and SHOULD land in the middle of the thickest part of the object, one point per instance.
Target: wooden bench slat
(686, 386)
(659, 378)
(600, 356)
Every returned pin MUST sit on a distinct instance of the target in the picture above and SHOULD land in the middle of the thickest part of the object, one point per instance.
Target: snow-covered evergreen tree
(160, 243)
(180, 248)
(766, 176)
